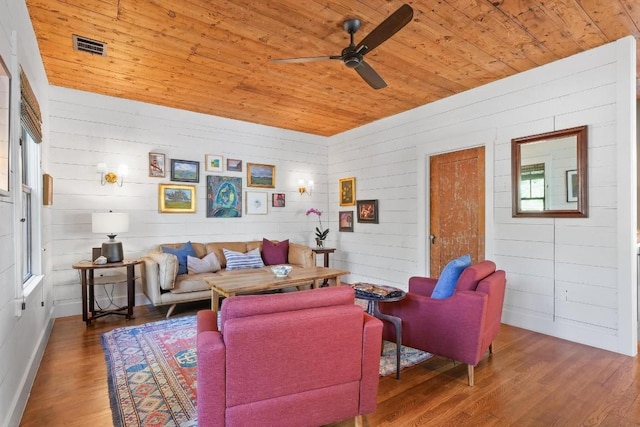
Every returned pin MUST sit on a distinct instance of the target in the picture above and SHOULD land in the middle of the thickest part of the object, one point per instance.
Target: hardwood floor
(530, 380)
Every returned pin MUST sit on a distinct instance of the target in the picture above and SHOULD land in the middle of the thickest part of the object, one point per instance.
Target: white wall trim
(626, 178)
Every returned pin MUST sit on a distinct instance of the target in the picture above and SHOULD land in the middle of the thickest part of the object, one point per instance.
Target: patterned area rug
(408, 357)
(151, 372)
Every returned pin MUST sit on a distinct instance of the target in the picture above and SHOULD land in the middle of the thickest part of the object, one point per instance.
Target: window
(532, 185)
(29, 161)
(28, 190)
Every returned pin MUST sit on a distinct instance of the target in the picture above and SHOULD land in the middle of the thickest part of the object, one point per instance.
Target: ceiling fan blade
(386, 29)
(370, 76)
(305, 59)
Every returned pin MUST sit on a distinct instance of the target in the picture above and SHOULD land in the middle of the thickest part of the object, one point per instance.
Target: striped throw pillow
(238, 260)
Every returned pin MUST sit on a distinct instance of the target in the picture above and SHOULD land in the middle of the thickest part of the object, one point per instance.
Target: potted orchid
(321, 234)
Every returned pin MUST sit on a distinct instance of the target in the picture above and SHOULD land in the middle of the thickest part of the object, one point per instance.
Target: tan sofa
(163, 286)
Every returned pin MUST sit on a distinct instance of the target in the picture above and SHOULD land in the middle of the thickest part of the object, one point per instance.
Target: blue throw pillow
(446, 285)
(182, 253)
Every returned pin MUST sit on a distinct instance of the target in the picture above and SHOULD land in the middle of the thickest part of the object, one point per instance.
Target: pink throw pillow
(275, 253)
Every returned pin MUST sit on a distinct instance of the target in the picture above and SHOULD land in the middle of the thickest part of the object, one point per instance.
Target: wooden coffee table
(248, 282)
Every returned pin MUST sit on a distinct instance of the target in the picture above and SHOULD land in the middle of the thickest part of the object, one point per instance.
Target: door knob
(432, 238)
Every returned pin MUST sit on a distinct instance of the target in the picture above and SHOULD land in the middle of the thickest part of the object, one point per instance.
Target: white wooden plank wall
(562, 273)
(87, 129)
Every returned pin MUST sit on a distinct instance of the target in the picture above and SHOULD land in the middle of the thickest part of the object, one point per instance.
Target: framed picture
(185, 170)
(345, 221)
(47, 189)
(156, 165)
(368, 211)
(256, 203)
(261, 175)
(234, 165)
(174, 198)
(278, 200)
(224, 197)
(572, 185)
(347, 191)
(213, 163)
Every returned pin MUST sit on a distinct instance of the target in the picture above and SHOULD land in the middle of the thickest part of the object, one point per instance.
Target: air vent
(94, 47)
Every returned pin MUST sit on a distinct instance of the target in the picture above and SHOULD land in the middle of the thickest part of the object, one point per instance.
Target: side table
(326, 252)
(87, 269)
(378, 294)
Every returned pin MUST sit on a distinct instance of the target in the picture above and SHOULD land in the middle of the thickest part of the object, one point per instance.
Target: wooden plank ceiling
(213, 56)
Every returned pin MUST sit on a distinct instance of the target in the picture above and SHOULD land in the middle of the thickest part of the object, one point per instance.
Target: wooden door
(457, 207)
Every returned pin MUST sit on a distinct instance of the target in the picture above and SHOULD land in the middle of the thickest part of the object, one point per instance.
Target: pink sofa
(305, 358)
(461, 327)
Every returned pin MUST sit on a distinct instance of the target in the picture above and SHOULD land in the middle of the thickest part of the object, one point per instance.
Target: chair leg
(358, 421)
(470, 374)
(491, 348)
(171, 310)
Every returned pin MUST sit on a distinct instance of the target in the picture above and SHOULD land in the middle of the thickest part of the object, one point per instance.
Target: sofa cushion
(167, 268)
(182, 254)
(239, 260)
(274, 253)
(216, 248)
(208, 264)
(191, 283)
(446, 285)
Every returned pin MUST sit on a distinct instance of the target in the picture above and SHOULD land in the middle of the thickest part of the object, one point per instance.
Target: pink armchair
(461, 327)
(303, 358)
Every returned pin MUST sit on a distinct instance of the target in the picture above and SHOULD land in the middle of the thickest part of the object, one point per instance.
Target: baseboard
(30, 375)
(74, 308)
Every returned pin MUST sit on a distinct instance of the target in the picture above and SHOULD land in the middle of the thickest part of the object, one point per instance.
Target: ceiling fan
(353, 55)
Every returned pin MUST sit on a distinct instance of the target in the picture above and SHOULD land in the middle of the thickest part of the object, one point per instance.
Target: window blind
(30, 114)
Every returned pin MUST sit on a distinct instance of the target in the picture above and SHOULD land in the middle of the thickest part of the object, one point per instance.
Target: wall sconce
(111, 177)
(302, 189)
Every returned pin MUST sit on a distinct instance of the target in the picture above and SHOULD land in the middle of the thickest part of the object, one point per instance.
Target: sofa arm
(150, 285)
(167, 269)
(371, 348)
(301, 255)
(211, 396)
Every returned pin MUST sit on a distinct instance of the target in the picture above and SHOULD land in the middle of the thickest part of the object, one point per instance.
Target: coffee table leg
(397, 323)
(215, 301)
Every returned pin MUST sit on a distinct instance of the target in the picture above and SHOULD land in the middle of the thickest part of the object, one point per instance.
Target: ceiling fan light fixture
(352, 61)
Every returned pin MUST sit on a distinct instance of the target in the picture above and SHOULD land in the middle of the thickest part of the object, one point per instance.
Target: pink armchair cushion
(252, 305)
(446, 285)
(259, 368)
(471, 276)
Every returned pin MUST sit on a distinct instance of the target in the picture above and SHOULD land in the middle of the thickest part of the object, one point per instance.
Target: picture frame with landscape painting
(175, 198)
(185, 170)
(260, 175)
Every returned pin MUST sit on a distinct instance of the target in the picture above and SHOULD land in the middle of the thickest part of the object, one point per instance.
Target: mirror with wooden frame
(5, 104)
(549, 174)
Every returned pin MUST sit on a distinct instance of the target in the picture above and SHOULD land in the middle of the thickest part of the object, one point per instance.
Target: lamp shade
(109, 223)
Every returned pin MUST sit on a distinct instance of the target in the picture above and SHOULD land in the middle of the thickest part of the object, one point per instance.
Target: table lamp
(111, 224)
